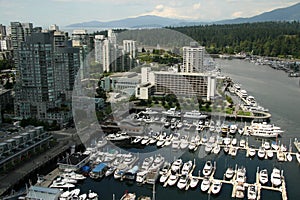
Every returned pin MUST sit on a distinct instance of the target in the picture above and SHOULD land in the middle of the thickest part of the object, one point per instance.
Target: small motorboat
(270, 154)
(261, 153)
(207, 169)
(110, 171)
(289, 157)
(252, 192)
(243, 143)
(234, 142)
(267, 145)
(298, 157)
(276, 177)
(252, 151)
(216, 187)
(229, 173)
(128, 196)
(233, 151)
(173, 178)
(176, 165)
(183, 181)
(205, 185)
(263, 176)
(226, 149)
(194, 182)
(217, 149)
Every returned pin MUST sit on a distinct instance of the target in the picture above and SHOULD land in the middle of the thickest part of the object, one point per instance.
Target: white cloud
(196, 6)
(159, 8)
(237, 14)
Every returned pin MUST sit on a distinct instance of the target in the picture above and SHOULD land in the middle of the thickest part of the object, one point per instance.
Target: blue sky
(64, 12)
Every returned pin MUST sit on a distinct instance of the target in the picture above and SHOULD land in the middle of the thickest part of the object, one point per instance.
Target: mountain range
(291, 13)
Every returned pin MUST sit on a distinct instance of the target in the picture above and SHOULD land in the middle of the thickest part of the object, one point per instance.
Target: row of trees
(266, 38)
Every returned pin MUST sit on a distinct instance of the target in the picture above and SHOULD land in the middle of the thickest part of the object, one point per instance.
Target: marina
(246, 148)
(235, 181)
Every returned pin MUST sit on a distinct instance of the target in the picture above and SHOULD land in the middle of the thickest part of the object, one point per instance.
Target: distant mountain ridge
(291, 13)
(142, 21)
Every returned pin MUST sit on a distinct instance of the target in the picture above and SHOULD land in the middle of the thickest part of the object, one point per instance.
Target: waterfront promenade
(21, 172)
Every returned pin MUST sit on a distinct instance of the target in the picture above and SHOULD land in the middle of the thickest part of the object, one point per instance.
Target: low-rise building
(36, 192)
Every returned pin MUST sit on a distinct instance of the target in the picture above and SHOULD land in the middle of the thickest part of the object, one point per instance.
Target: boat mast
(153, 192)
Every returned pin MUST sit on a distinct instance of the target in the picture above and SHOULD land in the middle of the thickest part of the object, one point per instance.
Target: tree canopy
(266, 38)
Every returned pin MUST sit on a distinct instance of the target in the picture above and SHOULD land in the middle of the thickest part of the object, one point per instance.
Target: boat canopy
(99, 167)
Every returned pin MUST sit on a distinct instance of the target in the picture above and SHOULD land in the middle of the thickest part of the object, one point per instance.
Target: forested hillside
(276, 39)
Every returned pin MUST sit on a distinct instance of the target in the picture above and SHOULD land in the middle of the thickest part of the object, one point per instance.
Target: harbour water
(274, 90)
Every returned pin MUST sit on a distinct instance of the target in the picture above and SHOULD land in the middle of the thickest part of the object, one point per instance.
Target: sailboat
(289, 156)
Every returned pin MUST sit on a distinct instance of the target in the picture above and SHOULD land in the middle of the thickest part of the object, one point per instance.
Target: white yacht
(233, 151)
(65, 195)
(263, 176)
(82, 197)
(274, 145)
(157, 163)
(281, 156)
(204, 139)
(216, 187)
(164, 176)
(176, 141)
(205, 185)
(252, 192)
(217, 149)
(276, 177)
(176, 165)
(128, 196)
(194, 182)
(147, 163)
(184, 143)
(252, 151)
(167, 143)
(183, 181)
(110, 171)
(207, 169)
(61, 184)
(243, 143)
(229, 173)
(160, 142)
(250, 100)
(92, 195)
(261, 153)
(101, 143)
(141, 176)
(129, 159)
(234, 142)
(240, 189)
(298, 157)
(187, 167)
(73, 175)
(232, 129)
(173, 178)
(264, 130)
(195, 114)
(267, 145)
(289, 157)
(270, 154)
(208, 147)
(145, 140)
(226, 149)
(227, 140)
